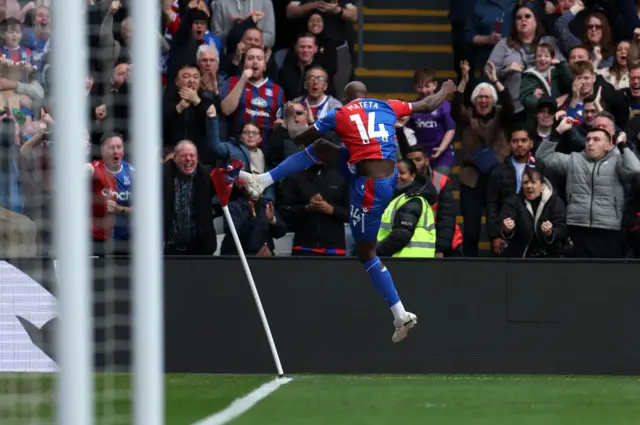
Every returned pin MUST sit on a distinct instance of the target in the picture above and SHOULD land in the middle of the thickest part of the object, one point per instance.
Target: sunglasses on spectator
(594, 27)
(525, 16)
(299, 112)
(251, 133)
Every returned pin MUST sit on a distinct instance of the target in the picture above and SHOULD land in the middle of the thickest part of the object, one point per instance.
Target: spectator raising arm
(111, 46)
(230, 103)
(629, 168)
(220, 150)
(295, 10)
(547, 155)
(567, 40)
(268, 25)
(459, 112)
(431, 103)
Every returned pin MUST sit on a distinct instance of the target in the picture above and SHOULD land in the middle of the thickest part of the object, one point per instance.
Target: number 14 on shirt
(370, 132)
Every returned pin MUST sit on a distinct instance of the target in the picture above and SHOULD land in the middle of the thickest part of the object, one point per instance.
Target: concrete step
(407, 57)
(407, 8)
(405, 27)
(390, 34)
(409, 18)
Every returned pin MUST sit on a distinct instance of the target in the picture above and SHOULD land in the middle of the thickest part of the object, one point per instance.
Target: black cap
(199, 15)
(548, 102)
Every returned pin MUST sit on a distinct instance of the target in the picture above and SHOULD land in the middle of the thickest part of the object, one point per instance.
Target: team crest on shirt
(259, 102)
(127, 180)
(268, 92)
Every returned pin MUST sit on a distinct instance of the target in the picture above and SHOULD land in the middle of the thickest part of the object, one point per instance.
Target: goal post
(84, 397)
(148, 303)
(74, 390)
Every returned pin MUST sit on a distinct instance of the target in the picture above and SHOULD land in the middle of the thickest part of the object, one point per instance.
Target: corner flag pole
(224, 188)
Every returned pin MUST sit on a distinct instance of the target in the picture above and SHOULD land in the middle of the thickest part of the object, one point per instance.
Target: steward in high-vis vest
(449, 241)
(408, 226)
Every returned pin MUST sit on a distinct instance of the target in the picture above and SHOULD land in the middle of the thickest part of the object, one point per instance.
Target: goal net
(80, 274)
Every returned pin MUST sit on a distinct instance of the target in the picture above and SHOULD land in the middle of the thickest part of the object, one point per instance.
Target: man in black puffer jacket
(504, 182)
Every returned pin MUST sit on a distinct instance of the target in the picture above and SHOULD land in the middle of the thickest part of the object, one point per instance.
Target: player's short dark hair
(589, 99)
(110, 135)
(410, 165)
(548, 47)
(424, 75)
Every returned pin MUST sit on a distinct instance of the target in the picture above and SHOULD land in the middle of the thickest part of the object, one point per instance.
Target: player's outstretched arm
(302, 134)
(430, 103)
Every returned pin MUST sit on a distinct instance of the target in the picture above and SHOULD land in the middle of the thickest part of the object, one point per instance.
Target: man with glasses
(315, 100)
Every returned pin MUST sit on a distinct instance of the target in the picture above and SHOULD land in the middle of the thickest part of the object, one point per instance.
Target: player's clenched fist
(449, 87)
(508, 225)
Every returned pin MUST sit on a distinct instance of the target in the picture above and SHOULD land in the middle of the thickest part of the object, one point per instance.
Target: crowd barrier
(475, 316)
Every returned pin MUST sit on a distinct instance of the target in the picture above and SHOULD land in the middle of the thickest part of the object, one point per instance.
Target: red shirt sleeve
(172, 26)
(401, 108)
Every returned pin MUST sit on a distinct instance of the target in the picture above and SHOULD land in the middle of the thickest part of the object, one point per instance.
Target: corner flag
(224, 179)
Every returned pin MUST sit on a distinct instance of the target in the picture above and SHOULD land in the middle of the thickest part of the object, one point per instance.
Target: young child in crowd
(549, 77)
(434, 132)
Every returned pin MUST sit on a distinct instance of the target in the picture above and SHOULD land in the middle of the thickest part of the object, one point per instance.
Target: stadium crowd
(546, 112)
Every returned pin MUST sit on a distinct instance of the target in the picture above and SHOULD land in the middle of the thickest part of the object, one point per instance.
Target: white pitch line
(241, 405)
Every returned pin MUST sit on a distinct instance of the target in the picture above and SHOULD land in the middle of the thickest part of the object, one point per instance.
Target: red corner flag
(224, 178)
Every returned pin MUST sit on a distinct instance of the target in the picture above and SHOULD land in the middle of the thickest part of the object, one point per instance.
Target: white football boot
(253, 186)
(403, 326)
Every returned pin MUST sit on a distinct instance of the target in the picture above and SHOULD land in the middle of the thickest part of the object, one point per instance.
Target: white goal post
(75, 387)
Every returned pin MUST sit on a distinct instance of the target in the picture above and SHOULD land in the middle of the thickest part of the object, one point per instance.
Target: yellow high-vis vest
(423, 242)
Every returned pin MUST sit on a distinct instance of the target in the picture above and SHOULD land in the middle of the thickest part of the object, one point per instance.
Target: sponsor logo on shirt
(257, 113)
(426, 124)
(259, 102)
(120, 196)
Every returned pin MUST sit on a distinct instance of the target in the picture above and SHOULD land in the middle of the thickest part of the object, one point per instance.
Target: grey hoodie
(222, 22)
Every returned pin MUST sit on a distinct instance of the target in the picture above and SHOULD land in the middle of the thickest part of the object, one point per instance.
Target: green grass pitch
(354, 399)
